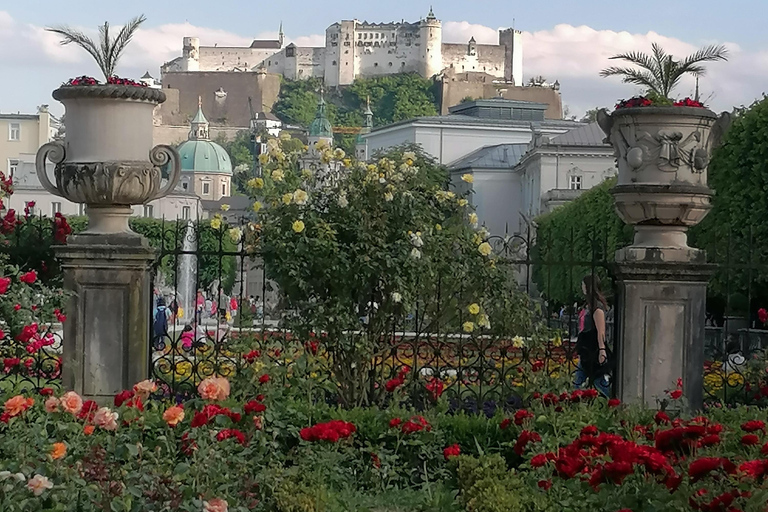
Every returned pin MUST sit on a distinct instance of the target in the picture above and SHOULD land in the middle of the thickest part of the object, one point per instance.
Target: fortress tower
(431, 54)
(512, 40)
(191, 54)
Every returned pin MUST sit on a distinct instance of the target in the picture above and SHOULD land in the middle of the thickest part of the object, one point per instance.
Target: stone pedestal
(106, 336)
(662, 307)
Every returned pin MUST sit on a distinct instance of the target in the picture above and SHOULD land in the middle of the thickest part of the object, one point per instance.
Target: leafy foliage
(583, 234)
(107, 51)
(362, 249)
(660, 72)
(735, 232)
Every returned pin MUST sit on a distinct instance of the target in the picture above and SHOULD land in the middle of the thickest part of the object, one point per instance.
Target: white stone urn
(107, 160)
(662, 155)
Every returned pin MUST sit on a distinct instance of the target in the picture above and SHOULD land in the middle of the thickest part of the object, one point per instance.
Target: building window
(185, 186)
(375, 64)
(149, 211)
(206, 189)
(13, 166)
(14, 131)
(55, 208)
(223, 189)
(574, 183)
(186, 212)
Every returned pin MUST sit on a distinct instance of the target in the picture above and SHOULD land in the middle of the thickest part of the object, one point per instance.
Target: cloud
(573, 55)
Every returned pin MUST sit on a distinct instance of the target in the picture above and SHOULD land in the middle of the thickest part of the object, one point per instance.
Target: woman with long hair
(594, 355)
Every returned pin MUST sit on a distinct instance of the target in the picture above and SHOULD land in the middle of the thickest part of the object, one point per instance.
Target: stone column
(662, 309)
(107, 333)
(107, 161)
(662, 155)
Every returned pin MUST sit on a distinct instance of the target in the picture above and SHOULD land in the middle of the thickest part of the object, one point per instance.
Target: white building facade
(360, 49)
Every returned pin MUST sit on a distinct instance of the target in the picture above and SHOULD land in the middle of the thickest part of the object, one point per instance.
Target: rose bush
(258, 444)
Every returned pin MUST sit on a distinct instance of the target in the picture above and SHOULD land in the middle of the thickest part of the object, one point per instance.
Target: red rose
(750, 440)
(264, 379)
(395, 422)
(589, 430)
(710, 440)
(526, 436)
(5, 282)
(762, 315)
(614, 402)
(753, 426)
(251, 356)
(89, 409)
(46, 392)
(123, 396)
(435, 388)
(544, 484)
(393, 384)
(254, 406)
(661, 417)
(521, 416)
(538, 460)
(228, 433)
(505, 423)
(705, 465)
(452, 451)
(755, 468)
(675, 394)
(29, 277)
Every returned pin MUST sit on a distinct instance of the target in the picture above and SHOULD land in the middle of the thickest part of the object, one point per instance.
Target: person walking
(160, 322)
(594, 355)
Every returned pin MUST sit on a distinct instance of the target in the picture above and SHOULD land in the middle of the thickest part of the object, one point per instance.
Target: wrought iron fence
(219, 304)
(30, 354)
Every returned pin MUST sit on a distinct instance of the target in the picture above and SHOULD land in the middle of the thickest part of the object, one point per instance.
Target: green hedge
(573, 240)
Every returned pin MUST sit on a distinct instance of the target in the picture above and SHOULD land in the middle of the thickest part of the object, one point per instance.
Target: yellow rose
(473, 308)
(235, 235)
(518, 342)
(438, 227)
(216, 221)
(484, 248)
(468, 178)
(256, 206)
(287, 198)
(388, 196)
(306, 173)
(278, 175)
(225, 207)
(473, 218)
(256, 183)
(263, 159)
(300, 197)
(468, 326)
(298, 226)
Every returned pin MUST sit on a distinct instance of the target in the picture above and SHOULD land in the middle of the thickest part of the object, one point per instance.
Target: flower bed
(257, 444)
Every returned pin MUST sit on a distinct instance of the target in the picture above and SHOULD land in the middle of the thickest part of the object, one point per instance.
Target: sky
(565, 40)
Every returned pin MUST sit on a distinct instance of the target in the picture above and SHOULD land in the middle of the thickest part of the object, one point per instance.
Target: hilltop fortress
(355, 49)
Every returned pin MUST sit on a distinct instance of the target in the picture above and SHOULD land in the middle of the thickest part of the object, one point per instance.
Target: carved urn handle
(160, 156)
(56, 153)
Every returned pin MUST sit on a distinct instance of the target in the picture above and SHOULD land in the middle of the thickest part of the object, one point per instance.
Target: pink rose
(145, 388)
(52, 404)
(215, 505)
(105, 418)
(71, 402)
(214, 388)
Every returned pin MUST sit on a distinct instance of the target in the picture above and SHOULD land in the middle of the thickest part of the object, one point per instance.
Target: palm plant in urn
(107, 159)
(662, 146)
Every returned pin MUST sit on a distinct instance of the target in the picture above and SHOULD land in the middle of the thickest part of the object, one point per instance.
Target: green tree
(660, 72)
(735, 233)
(576, 238)
(108, 51)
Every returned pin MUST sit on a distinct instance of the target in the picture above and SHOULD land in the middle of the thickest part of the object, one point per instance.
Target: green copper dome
(199, 153)
(204, 156)
(320, 126)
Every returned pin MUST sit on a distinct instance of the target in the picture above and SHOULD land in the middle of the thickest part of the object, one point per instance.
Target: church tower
(280, 35)
(361, 144)
(431, 53)
(320, 129)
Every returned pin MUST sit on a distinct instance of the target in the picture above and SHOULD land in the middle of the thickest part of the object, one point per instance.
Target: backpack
(161, 322)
